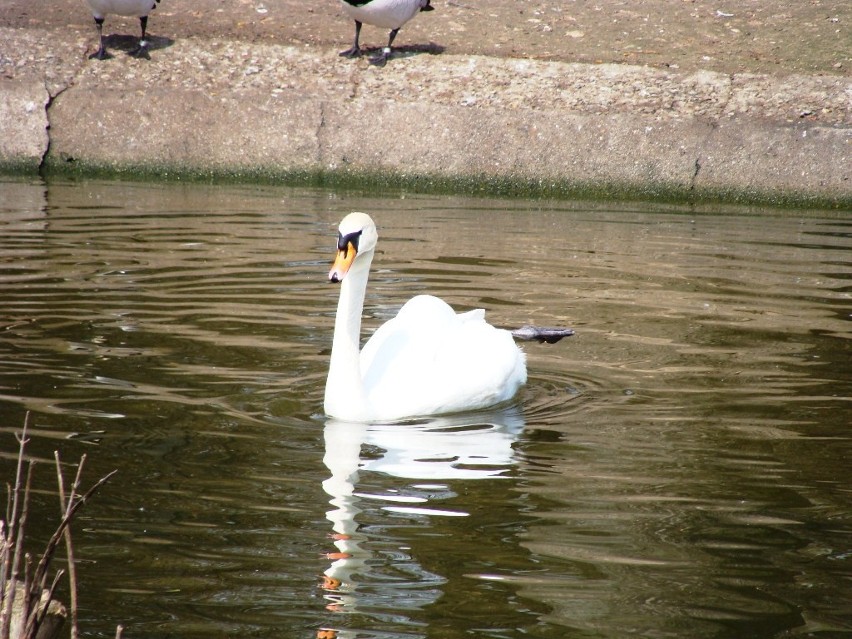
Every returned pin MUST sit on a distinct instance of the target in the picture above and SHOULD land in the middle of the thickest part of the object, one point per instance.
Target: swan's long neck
(344, 390)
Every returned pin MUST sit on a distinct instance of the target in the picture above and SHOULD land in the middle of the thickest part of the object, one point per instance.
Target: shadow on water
(677, 468)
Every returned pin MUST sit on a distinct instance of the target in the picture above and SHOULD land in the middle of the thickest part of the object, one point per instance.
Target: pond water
(679, 468)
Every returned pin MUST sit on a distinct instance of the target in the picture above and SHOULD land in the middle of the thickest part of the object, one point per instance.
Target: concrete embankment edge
(451, 137)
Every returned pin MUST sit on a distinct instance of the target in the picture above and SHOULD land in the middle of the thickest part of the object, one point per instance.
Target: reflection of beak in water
(342, 456)
(472, 446)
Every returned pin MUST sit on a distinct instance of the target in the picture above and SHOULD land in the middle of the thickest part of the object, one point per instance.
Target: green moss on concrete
(474, 185)
(19, 167)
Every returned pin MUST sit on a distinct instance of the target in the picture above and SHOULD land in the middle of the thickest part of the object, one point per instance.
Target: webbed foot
(352, 52)
(382, 58)
(140, 52)
(540, 334)
(100, 54)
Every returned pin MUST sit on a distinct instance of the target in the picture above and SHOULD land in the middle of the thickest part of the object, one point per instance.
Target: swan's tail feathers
(528, 333)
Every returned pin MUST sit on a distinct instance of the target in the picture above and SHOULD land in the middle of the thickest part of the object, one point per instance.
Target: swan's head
(357, 236)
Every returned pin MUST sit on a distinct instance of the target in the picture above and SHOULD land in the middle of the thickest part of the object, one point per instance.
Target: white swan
(427, 360)
(140, 8)
(390, 14)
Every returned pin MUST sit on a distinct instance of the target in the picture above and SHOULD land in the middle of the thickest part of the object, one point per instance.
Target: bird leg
(380, 59)
(354, 51)
(101, 53)
(142, 50)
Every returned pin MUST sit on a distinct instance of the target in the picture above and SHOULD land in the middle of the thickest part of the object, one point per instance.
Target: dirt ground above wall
(727, 36)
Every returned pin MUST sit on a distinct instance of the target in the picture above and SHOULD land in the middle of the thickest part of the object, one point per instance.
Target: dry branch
(29, 610)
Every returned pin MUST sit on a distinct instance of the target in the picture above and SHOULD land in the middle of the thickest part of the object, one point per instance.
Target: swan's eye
(343, 241)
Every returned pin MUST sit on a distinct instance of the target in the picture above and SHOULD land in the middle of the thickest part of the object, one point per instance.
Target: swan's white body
(388, 14)
(138, 8)
(428, 360)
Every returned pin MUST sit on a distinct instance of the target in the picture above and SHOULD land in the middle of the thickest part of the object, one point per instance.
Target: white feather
(138, 8)
(389, 14)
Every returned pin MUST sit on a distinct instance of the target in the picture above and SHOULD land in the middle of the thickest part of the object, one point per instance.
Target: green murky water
(680, 468)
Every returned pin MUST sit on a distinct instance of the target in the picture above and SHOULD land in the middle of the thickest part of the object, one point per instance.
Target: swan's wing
(405, 339)
(476, 315)
(429, 360)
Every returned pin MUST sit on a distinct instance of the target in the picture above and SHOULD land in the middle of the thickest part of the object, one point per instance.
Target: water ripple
(677, 468)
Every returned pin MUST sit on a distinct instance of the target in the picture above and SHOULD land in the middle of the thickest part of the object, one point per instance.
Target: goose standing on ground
(390, 14)
(427, 360)
(140, 8)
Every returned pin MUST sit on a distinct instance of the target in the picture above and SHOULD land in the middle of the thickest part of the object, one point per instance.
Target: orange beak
(342, 262)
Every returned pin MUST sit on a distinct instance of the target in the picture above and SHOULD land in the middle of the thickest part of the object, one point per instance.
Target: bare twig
(5, 600)
(25, 590)
(74, 506)
(39, 612)
(18, 529)
(22, 443)
(34, 594)
(66, 520)
(69, 549)
(12, 515)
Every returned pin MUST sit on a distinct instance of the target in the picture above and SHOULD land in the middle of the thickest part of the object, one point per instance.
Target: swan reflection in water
(474, 446)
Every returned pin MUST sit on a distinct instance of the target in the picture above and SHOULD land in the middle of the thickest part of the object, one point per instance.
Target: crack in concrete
(695, 173)
(731, 79)
(50, 100)
(71, 82)
(701, 155)
(320, 134)
(714, 123)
